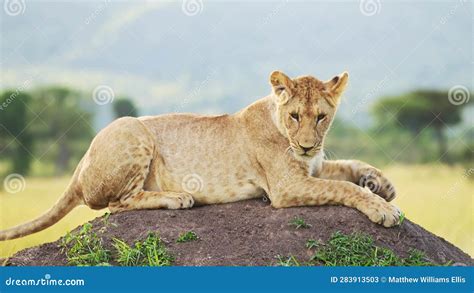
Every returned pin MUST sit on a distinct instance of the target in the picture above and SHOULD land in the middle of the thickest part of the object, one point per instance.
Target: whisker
(327, 154)
(330, 155)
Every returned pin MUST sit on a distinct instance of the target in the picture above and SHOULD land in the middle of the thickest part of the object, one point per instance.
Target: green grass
(299, 223)
(353, 250)
(187, 237)
(311, 243)
(105, 219)
(85, 248)
(149, 252)
(359, 250)
(288, 261)
(401, 219)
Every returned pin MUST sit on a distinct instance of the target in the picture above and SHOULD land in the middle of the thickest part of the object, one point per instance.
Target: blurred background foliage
(47, 130)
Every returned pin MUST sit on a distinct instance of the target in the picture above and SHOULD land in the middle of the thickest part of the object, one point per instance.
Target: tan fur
(174, 161)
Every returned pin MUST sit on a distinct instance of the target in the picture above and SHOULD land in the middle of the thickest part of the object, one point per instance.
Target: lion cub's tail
(63, 206)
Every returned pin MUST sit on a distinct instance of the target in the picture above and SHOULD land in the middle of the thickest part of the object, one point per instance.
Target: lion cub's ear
(337, 84)
(281, 86)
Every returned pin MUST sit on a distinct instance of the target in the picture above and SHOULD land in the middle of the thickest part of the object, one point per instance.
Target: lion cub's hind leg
(153, 200)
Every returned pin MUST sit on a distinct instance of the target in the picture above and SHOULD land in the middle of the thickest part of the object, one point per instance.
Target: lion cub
(274, 147)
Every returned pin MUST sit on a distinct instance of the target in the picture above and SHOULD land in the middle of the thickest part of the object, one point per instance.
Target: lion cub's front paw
(381, 212)
(377, 183)
(179, 201)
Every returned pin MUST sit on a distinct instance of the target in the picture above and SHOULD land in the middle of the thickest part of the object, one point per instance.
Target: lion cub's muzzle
(307, 152)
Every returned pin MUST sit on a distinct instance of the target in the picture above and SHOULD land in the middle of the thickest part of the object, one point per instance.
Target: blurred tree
(16, 141)
(419, 110)
(62, 123)
(124, 107)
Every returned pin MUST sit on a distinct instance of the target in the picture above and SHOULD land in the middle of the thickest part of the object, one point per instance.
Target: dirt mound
(250, 233)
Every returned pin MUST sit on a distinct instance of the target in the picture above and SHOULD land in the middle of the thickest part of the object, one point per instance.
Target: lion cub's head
(305, 108)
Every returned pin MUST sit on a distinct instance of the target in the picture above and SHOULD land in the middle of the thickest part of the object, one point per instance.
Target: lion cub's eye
(295, 116)
(320, 117)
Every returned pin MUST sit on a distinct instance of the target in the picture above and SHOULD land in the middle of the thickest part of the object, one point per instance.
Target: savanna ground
(437, 197)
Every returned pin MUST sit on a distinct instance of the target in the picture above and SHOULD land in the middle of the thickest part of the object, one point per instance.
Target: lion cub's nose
(306, 149)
